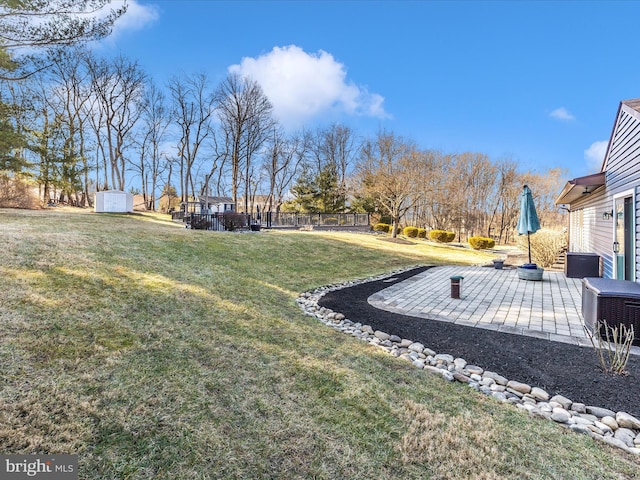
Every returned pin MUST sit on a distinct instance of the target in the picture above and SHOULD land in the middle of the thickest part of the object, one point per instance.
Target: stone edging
(618, 429)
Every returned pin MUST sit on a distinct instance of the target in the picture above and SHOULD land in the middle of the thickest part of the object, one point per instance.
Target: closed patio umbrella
(528, 222)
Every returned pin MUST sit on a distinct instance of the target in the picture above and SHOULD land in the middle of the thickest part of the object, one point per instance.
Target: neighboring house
(214, 204)
(604, 208)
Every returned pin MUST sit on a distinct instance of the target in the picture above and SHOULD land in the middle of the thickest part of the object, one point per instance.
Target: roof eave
(570, 193)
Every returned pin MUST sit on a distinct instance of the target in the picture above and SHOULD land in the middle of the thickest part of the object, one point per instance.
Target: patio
(494, 300)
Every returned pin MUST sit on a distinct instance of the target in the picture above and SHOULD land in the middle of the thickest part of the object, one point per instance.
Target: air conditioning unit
(580, 265)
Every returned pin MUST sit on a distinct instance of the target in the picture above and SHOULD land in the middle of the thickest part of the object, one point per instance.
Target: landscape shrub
(546, 245)
(422, 233)
(612, 346)
(481, 243)
(381, 227)
(411, 232)
(17, 193)
(442, 236)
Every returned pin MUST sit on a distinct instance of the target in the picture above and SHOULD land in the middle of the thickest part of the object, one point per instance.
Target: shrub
(546, 245)
(481, 243)
(612, 346)
(411, 232)
(16, 193)
(442, 236)
(398, 230)
(422, 233)
(381, 227)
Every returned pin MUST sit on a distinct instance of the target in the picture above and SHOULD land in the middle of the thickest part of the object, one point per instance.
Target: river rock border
(618, 429)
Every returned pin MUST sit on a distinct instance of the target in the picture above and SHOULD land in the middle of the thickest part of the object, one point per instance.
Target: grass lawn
(153, 351)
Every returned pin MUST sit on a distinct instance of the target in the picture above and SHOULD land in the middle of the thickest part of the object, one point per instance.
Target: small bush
(442, 236)
(612, 345)
(16, 193)
(411, 232)
(481, 243)
(546, 245)
(398, 230)
(381, 227)
(422, 233)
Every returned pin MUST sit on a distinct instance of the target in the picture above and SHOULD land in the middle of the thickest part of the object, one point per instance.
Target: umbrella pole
(529, 240)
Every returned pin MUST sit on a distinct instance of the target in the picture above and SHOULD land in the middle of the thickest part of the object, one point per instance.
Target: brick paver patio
(493, 299)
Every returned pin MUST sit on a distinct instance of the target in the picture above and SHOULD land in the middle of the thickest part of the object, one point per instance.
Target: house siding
(589, 231)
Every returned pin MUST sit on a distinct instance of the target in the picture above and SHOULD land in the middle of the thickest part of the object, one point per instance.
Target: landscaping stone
(499, 379)
(519, 387)
(444, 357)
(600, 412)
(460, 363)
(563, 401)
(474, 370)
(578, 407)
(539, 394)
(560, 415)
(381, 335)
(627, 421)
(626, 435)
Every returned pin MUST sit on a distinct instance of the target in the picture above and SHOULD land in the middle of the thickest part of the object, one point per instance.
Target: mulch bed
(558, 368)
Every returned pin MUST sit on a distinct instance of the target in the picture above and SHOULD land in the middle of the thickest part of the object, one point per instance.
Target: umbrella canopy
(528, 221)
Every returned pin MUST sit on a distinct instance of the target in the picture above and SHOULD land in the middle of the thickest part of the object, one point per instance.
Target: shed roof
(578, 187)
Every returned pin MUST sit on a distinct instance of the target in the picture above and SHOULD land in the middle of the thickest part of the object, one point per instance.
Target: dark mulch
(558, 368)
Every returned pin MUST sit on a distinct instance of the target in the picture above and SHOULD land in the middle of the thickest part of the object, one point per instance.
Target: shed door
(623, 238)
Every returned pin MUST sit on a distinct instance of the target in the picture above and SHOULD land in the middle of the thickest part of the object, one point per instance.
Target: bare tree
(282, 163)
(69, 97)
(155, 122)
(388, 171)
(193, 110)
(245, 118)
(118, 86)
(333, 151)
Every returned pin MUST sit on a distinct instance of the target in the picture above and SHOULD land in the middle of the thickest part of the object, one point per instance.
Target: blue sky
(537, 82)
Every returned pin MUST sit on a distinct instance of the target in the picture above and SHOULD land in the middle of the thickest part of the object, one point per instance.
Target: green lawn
(153, 351)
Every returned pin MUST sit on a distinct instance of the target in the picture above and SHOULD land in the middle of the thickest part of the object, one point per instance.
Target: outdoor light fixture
(607, 215)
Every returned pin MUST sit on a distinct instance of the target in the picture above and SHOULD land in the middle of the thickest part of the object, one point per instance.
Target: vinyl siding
(589, 232)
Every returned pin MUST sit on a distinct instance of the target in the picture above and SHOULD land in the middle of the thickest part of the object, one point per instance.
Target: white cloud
(562, 114)
(136, 17)
(302, 85)
(594, 155)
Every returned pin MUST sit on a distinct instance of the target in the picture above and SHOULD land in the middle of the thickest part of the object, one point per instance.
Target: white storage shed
(113, 201)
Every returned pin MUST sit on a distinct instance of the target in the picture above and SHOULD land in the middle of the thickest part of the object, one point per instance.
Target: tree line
(74, 123)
